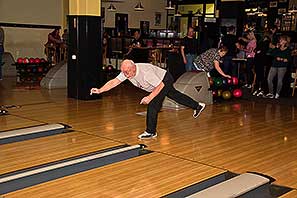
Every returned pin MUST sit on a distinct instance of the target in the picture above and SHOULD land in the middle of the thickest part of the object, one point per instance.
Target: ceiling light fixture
(198, 13)
(169, 7)
(177, 14)
(258, 11)
(139, 7)
(111, 8)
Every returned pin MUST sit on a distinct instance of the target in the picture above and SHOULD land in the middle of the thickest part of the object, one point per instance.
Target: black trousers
(156, 104)
(260, 64)
(249, 70)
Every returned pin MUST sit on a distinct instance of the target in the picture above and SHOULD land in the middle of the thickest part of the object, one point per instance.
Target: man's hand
(227, 76)
(145, 100)
(95, 91)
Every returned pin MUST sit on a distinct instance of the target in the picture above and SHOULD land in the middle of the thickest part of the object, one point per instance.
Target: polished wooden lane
(10, 122)
(11, 94)
(239, 135)
(292, 194)
(151, 175)
(25, 154)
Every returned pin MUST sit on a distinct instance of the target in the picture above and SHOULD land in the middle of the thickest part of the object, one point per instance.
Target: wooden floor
(291, 194)
(238, 136)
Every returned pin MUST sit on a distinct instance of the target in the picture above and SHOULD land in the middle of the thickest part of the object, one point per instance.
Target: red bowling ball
(237, 93)
(20, 60)
(234, 80)
(37, 60)
(26, 60)
(31, 60)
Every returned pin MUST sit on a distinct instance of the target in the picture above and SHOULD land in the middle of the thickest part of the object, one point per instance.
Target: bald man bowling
(158, 83)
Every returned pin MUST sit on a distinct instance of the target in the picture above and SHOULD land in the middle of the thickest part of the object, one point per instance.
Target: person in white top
(159, 83)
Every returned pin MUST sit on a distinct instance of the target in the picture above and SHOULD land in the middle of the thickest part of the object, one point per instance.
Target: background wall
(29, 42)
(292, 2)
(134, 18)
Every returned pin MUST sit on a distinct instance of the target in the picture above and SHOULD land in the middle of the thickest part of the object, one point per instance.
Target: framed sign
(144, 27)
(158, 18)
(273, 4)
(281, 10)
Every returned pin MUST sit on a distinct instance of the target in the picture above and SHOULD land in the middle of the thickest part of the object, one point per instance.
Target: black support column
(84, 56)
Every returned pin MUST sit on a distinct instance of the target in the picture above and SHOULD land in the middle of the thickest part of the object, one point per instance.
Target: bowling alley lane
(29, 153)
(151, 175)
(10, 122)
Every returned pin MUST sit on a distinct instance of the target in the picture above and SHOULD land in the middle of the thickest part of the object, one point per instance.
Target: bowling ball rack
(31, 73)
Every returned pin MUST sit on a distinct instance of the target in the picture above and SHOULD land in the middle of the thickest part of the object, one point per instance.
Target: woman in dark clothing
(261, 62)
(281, 61)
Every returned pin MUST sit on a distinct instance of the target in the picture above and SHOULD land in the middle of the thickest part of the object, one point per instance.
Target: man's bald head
(128, 67)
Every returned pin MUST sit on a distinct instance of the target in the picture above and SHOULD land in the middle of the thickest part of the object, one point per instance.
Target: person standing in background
(105, 45)
(250, 55)
(189, 49)
(229, 40)
(281, 62)
(275, 34)
(261, 64)
(1, 49)
(135, 53)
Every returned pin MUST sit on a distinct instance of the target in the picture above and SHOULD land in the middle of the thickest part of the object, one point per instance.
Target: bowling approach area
(54, 146)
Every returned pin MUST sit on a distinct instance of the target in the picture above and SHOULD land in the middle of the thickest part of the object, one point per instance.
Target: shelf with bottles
(289, 22)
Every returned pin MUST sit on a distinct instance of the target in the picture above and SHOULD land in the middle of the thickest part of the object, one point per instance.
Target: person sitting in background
(240, 53)
(63, 52)
(52, 46)
(137, 40)
(133, 53)
(210, 60)
(65, 36)
(281, 61)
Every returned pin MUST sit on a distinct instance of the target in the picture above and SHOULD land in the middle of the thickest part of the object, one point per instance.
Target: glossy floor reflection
(237, 135)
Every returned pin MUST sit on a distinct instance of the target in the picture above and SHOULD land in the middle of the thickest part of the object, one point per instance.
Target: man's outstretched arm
(108, 86)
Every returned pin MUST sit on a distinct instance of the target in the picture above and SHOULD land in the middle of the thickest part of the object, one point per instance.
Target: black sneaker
(199, 109)
(146, 135)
